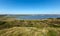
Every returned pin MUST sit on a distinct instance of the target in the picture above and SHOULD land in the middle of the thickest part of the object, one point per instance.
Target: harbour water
(34, 16)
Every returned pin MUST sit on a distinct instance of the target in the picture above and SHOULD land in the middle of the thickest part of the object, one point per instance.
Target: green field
(13, 27)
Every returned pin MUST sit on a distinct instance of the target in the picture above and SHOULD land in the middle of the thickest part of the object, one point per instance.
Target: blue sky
(29, 6)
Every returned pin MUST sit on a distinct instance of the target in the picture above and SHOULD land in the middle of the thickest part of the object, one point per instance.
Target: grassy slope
(49, 27)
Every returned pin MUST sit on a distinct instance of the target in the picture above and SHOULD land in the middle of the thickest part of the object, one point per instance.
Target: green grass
(52, 33)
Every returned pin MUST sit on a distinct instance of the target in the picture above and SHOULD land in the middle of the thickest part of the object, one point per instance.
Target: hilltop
(46, 27)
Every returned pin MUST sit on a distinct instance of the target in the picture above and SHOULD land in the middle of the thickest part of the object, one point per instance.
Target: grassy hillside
(13, 27)
(30, 31)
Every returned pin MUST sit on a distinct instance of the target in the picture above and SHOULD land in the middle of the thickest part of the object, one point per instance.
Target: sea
(34, 17)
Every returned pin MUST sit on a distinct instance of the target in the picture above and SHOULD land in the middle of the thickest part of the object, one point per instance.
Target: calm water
(34, 16)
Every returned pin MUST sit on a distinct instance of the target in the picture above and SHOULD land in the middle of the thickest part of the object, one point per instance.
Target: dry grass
(49, 27)
(23, 31)
(30, 31)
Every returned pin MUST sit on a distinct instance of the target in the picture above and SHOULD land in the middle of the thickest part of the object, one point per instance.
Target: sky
(29, 6)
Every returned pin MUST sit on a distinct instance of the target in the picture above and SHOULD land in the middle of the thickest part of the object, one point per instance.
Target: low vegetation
(13, 27)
